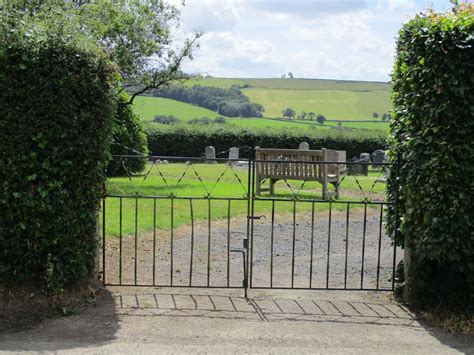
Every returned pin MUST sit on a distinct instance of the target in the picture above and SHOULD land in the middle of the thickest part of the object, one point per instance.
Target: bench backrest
(292, 170)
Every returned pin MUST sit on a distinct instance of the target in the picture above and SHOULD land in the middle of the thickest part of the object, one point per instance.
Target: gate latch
(256, 217)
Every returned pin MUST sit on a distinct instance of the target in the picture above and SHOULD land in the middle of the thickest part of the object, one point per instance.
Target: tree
(303, 115)
(289, 113)
(311, 115)
(375, 115)
(320, 119)
(128, 139)
(386, 117)
(290, 75)
(137, 35)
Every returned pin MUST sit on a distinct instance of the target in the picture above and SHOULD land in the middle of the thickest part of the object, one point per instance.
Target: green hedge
(432, 131)
(57, 102)
(190, 141)
(128, 139)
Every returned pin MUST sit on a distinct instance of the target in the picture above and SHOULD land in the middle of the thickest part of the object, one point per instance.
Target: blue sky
(331, 39)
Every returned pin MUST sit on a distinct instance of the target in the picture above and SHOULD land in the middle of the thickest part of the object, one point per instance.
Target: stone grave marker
(210, 153)
(304, 146)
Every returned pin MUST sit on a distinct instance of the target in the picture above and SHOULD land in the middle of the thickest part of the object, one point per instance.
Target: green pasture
(337, 100)
(272, 123)
(223, 83)
(147, 107)
(334, 104)
(217, 181)
(303, 124)
(317, 84)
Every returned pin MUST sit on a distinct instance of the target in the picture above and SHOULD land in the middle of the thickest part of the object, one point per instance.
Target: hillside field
(335, 99)
(147, 107)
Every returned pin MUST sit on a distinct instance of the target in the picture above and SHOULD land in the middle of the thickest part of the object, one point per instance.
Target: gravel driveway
(226, 267)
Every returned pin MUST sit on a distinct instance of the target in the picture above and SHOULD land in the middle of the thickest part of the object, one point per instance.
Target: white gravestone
(210, 153)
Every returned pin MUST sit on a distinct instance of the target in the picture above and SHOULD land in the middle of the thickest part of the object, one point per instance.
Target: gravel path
(226, 267)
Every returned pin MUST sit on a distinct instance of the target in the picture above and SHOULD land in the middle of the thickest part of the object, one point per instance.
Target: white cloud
(225, 54)
(209, 15)
(396, 4)
(305, 8)
(338, 39)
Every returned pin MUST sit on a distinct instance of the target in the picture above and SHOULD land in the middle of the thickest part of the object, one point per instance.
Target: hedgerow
(58, 102)
(186, 140)
(128, 139)
(432, 132)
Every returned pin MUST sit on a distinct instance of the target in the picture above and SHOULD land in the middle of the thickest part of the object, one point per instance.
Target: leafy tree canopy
(136, 35)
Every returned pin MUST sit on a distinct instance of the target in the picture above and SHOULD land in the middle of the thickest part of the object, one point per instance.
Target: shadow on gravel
(96, 324)
(262, 309)
(99, 325)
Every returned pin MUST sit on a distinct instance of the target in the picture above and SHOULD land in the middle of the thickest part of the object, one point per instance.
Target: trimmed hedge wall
(189, 141)
(57, 102)
(432, 131)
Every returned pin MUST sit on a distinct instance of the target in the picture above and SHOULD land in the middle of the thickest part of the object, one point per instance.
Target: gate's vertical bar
(379, 246)
(311, 248)
(103, 238)
(329, 243)
(347, 245)
(172, 241)
(154, 241)
(252, 211)
(397, 202)
(363, 247)
(136, 240)
(272, 243)
(120, 240)
(228, 243)
(192, 243)
(208, 241)
(293, 246)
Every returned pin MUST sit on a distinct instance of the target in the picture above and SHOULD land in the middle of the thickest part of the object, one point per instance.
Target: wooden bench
(290, 168)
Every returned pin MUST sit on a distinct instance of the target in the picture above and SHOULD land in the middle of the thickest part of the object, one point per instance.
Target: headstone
(365, 157)
(357, 169)
(210, 153)
(234, 156)
(304, 146)
(342, 156)
(378, 157)
(233, 153)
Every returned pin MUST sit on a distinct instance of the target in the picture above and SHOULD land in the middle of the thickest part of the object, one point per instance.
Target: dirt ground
(303, 254)
(218, 320)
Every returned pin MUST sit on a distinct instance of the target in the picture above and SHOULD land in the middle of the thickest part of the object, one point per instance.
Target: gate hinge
(245, 243)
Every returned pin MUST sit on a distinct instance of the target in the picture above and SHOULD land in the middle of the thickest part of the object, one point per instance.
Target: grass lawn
(228, 186)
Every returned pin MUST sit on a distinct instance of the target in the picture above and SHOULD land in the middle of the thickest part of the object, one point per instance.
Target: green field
(336, 100)
(334, 104)
(147, 107)
(305, 124)
(188, 185)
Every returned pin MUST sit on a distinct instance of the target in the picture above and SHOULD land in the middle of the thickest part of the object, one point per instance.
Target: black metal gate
(191, 222)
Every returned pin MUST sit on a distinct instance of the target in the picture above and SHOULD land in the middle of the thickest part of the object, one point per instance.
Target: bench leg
(336, 186)
(325, 190)
(258, 187)
(272, 186)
